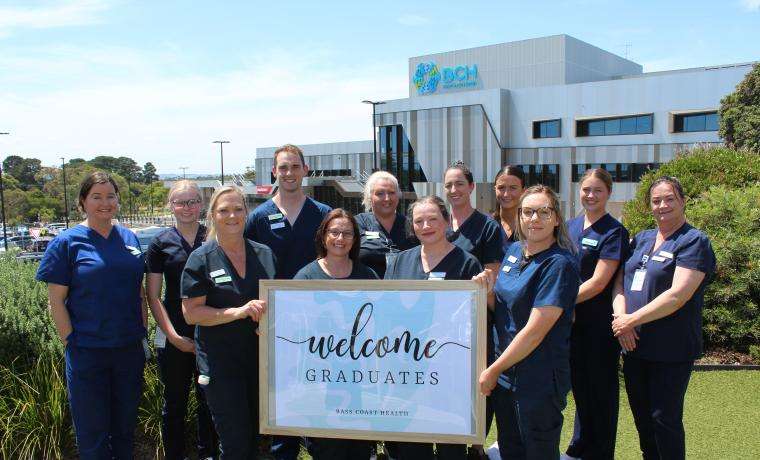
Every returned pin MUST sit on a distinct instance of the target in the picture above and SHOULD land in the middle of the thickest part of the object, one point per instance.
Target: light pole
(65, 194)
(2, 203)
(221, 154)
(184, 172)
(374, 131)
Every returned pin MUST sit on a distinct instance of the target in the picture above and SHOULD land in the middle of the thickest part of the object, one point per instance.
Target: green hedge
(723, 200)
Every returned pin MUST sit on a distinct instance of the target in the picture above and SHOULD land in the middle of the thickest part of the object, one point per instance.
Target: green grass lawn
(722, 418)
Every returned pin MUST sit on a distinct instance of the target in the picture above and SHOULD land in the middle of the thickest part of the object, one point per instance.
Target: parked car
(146, 234)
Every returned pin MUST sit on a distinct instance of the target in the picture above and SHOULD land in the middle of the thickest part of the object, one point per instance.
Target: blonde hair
(369, 187)
(211, 233)
(180, 186)
(560, 231)
(598, 173)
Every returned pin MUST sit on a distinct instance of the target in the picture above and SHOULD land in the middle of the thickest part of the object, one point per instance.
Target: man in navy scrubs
(287, 224)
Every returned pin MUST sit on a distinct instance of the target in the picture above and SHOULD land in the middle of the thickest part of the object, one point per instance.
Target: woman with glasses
(175, 347)
(601, 242)
(220, 295)
(535, 294)
(383, 229)
(435, 259)
(658, 301)
(509, 184)
(337, 244)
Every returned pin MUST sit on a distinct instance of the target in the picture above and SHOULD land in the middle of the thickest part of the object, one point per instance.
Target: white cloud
(115, 102)
(58, 14)
(412, 20)
(751, 5)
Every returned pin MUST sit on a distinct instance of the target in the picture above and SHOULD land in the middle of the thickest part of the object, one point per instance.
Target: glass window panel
(596, 128)
(694, 123)
(612, 127)
(624, 174)
(552, 128)
(711, 122)
(383, 139)
(542, 129)
(644, 124)
(628, 125)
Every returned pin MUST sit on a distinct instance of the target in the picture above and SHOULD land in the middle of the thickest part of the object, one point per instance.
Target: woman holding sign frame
(435, 259)
(535, 295)
(220, 288)
(658, 304)
(337, 242)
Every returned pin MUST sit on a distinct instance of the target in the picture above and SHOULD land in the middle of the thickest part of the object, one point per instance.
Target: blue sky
(159, 80)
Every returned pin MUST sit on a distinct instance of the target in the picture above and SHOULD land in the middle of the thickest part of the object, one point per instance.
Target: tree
(250, 173)
(23, 169)
(149, 173)
(740, 113)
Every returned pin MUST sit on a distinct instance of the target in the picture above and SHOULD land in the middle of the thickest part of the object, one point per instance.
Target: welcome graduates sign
(392, 360)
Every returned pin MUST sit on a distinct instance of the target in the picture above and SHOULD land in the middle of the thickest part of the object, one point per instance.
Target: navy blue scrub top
(293, 246)
(231, 348)
(481, 236)
(377, 243)
(456, 265)
(677, 337)
(604, 239)
(314, 271)
(549, 278)
(104, 276)
(167, 254)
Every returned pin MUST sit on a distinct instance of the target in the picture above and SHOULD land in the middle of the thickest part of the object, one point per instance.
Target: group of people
(564, 299)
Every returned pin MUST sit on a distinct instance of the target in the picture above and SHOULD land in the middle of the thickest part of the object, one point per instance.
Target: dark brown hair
(675, 183)
(319, 238)
(507, 170)
(462, 167)
(97, 177)
(598, 173)
(432, 199)
(289, 148)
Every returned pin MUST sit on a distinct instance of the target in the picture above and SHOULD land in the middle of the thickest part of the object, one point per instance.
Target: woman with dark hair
(658, 301)
(220, 296)
(508, 185)
(94, 272)
(435, 259)
(602, 243)
(535, 294)
(337, 258)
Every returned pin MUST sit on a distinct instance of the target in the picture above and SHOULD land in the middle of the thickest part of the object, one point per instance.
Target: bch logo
(426, 77)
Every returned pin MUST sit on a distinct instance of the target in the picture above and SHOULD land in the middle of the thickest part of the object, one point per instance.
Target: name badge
(658, 259)
(275, 216)
(133, 250)
(638, 280)
(159, 340)
(506, 269)
(223, 279)
(436, 275)
(589, 242)
(277, 225)
(372, 235)
(512, 259)
(216, 273)
(667, 254)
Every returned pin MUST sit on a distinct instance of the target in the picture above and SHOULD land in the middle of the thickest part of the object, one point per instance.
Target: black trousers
(656, 393)
(234, 404)
(178, 374)
(594, 361)
(529, 427)
(424, 451)
(339, 449)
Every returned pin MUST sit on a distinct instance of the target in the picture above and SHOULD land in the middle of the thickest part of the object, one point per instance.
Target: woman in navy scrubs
(220, 288)
(383, 229)
(602, 243)
(658, 318)
(337, 245)
(435, 259)
(535, 294)
(94, 272)
(175, 348)
(508, 185)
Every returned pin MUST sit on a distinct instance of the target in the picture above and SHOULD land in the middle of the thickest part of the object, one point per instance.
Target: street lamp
(184, 171)
(2, 203)
(221, 154)
(374, 131)
(65, 194)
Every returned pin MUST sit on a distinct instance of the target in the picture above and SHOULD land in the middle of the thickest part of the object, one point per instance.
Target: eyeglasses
(187, 203)
(346, 235)
(544, 213)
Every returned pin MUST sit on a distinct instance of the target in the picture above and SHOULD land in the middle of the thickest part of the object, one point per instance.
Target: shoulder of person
(560, 259)
(305, 273)
(259, 248)
(363, 220)
(365, 271)
(323, 208)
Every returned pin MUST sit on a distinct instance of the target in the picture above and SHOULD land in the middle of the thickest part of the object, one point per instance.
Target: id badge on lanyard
(640, 274)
